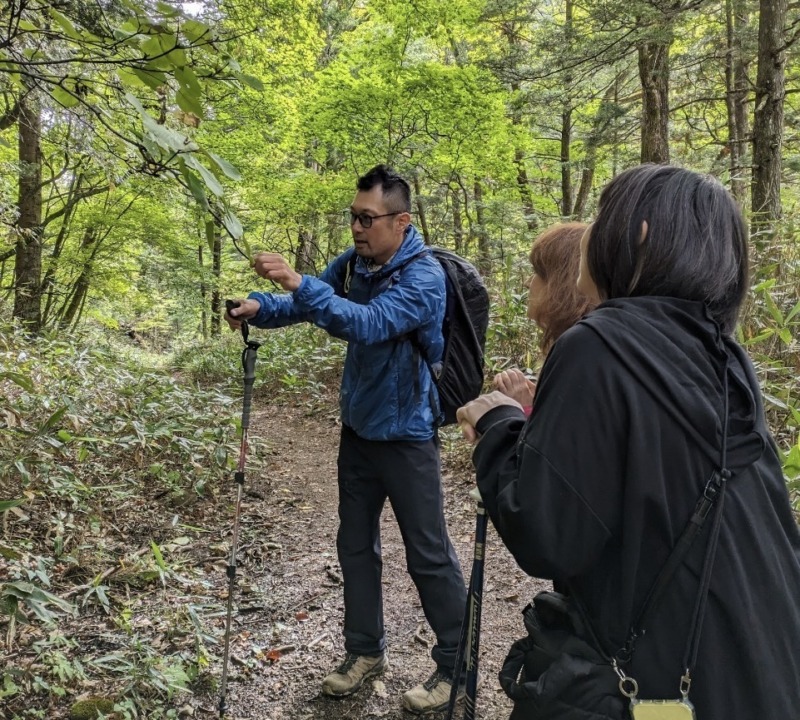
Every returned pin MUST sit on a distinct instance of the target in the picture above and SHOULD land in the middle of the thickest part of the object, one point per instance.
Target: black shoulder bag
(559, 670)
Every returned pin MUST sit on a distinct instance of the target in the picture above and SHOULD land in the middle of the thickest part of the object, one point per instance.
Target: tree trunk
(654, 76)
(28, 263)
(768, 120)
(606, 116)
(566, 124)
(484, 254)
(566, 173)
(307, 250)
(48, 282)
(216, 273)
(736, 66)
(423, 218)
(69, 314)
(523, 183)
(79, 291)
(458, 223)
(203, 293)
(525, 191)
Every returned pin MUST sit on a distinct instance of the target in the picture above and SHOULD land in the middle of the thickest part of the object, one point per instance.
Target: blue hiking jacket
(387, 392)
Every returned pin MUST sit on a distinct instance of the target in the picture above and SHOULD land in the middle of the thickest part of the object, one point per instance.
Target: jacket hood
(678, 353)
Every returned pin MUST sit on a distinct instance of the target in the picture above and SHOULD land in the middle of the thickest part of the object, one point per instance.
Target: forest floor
(289, 565)
(145, 573)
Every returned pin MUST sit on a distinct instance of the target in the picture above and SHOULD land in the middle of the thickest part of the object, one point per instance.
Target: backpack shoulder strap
(350, 268)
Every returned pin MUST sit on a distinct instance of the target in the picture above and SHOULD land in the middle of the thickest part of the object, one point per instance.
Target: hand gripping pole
(249, 367)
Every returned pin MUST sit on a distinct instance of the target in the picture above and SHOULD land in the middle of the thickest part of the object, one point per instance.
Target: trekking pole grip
(249, 365)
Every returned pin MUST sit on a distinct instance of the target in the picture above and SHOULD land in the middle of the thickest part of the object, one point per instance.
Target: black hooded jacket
(595, 488)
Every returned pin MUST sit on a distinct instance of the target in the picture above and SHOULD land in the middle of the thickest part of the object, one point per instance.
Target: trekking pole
(469, 644)
(249, 366)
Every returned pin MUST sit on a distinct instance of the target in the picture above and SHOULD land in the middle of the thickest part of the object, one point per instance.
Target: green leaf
(158, 556)
(54, 419)
(774, 310)
(793, 312)
(250, 81)
(225, 166)
(9, 553)
(791, 463)
(64, 97)
(210, 234)
(154, 79)
(64, 436)
(195, 185)
(195, 30)
(189, 103)
(152, 47)
(65, 23)
(785, 335)
(208, 177)
(129, 78)
(22, 469)
(768, 333)
(166, 9)
(234, 227)
(8, 504)
(188, 80)
(23, 381)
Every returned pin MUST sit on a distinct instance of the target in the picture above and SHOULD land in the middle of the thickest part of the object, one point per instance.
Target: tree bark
(736, 67)
(484, 254)
(768, 120)
(216, 272)
(28, 263)
(606, 116)
(71, 311)
(203, 293)
(307, 250)
(423, 218)
(458, 222)
(566, 125)
(48, 282)
(654, 76)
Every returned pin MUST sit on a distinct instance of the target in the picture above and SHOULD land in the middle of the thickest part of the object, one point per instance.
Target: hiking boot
(350, 675)
(430, 696)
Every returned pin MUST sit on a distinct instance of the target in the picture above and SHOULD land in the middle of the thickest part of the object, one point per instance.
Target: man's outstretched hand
(274, 267)
(244, 310)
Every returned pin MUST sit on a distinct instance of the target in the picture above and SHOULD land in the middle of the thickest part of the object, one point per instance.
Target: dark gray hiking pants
(407, 473)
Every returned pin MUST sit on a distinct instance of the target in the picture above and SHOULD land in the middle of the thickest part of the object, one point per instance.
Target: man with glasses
(386, 297)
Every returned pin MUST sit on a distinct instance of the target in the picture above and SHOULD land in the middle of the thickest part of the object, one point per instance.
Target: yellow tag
(662, 710)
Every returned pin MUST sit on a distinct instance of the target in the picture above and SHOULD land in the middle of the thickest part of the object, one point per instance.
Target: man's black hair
(695, 247)
(396, 191)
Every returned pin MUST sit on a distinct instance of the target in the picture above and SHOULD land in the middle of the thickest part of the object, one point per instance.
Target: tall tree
(736, 82)
(653, 56)
(28, 228)
(768, 118)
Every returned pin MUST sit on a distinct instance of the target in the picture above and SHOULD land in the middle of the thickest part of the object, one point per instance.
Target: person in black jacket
(638, 407)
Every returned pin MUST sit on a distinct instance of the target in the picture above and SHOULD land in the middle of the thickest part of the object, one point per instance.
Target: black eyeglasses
(366, 220)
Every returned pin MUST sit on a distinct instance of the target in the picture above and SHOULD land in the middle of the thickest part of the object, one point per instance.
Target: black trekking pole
(249, 366)
(469, 644)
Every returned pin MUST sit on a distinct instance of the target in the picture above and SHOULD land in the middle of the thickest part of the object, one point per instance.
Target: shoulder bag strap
(712, 496)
